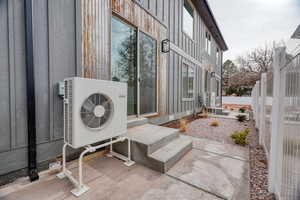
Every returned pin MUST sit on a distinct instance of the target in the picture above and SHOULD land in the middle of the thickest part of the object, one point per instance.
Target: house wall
(72, 38)
(169, 13)
(54, 34)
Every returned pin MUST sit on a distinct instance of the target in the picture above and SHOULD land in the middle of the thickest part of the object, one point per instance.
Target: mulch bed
(176, 123)
(258, 168)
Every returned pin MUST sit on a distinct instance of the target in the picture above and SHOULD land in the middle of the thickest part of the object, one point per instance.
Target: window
(187, 81)
(188, 19)
(134, 65)
(217, 56)
(206, 79)
(208, 43)
(147, 73)
(124, 60)
(218, 87)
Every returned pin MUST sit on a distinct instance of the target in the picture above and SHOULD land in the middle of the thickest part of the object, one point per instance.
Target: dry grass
(214, 123)
(203, 115)
(182, 125)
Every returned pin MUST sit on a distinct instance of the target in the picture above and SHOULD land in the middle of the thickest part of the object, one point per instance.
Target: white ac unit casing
(94, 110)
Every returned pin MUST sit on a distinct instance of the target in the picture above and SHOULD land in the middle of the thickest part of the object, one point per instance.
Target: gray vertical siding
(54, 59)
(61, 36)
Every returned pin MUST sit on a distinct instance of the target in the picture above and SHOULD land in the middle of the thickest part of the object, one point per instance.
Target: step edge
(188, 142)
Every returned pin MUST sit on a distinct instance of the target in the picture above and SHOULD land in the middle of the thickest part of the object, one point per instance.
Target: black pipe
(30, 88)
(221, 87)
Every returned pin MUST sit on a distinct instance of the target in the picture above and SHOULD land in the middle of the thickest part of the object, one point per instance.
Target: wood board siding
(96, 16)
(137, 16)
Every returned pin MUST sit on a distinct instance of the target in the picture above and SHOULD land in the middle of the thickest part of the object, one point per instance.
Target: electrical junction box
(61, 89)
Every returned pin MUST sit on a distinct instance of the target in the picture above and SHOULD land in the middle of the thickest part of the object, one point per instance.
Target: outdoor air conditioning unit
(94, 111)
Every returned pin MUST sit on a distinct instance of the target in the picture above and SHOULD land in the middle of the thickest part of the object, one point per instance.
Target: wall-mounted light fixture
(165, 46)
(213, 74)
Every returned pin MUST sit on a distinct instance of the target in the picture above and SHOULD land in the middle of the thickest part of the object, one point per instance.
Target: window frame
(218, 84)
(188, 65)
(193, 16)
(208, 42)
(217, 56)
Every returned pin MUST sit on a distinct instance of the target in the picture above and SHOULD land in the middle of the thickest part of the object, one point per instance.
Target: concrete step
(156, 147)
(152, 136)
(167, 156)
(136, 122)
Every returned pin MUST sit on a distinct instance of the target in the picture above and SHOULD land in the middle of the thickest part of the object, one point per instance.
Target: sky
(247, 24)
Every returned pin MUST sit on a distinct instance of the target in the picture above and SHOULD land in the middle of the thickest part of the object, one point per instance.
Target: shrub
(240, 137)
(242, 110)
(182, 125)
(214, 123)
(203, 115)
(241, 118)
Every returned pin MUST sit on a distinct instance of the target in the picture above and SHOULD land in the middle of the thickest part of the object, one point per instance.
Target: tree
(259, 59)
(229, 68)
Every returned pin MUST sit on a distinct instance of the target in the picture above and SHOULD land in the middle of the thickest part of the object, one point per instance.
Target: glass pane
(191, 82)
(185, 87)
(123, 60)
(188, 19)
(147, 58)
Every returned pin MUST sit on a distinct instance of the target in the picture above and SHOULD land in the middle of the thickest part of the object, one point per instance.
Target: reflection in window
(147, 50)
(217, 56)
(188, 19)
(187, 81)
(123, 60)
(206, 81)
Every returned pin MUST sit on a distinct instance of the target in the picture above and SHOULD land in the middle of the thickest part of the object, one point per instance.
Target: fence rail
(276, 107)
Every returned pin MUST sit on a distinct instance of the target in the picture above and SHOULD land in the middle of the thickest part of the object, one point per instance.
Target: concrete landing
(199, 175)
(108, 179)
(212, 168)
(156, 147)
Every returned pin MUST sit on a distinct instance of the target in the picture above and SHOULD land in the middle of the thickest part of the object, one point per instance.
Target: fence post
(257, 122)
(276, 118)
(262, 124)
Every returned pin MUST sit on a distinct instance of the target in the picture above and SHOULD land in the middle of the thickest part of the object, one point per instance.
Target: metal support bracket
(81, 188)
(128, 162)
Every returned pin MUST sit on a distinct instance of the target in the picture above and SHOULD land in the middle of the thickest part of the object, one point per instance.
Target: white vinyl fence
(236, 100)
(276, 107)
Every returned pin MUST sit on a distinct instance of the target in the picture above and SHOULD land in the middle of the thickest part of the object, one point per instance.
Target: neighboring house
(293, 45)
(118, 40)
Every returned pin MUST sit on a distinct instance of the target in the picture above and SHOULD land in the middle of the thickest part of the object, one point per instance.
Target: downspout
(221, 87)
(30, 88)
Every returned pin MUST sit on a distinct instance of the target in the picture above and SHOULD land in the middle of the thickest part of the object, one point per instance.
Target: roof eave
(210, 21)
(296, 34)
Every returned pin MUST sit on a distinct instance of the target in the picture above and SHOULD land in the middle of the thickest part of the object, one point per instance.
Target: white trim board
(184, 54)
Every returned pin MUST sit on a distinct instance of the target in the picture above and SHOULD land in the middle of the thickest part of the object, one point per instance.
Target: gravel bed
(258, 168)
(200, 128)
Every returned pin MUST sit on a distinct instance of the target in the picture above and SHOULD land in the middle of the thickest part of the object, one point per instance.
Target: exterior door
(124, 60)
(147, 74)
(134, 61)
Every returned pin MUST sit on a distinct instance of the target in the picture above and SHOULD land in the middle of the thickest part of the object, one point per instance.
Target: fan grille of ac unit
(96, 111)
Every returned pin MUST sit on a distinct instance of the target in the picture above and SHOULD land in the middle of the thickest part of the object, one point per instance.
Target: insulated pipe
(31, 119)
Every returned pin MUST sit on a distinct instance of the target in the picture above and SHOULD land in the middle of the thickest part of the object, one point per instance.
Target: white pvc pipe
(64, 157)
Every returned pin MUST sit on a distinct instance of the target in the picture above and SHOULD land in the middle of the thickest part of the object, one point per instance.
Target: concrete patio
(211, 170)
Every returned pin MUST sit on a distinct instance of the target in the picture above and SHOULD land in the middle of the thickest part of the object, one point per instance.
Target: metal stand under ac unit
(80, 187)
